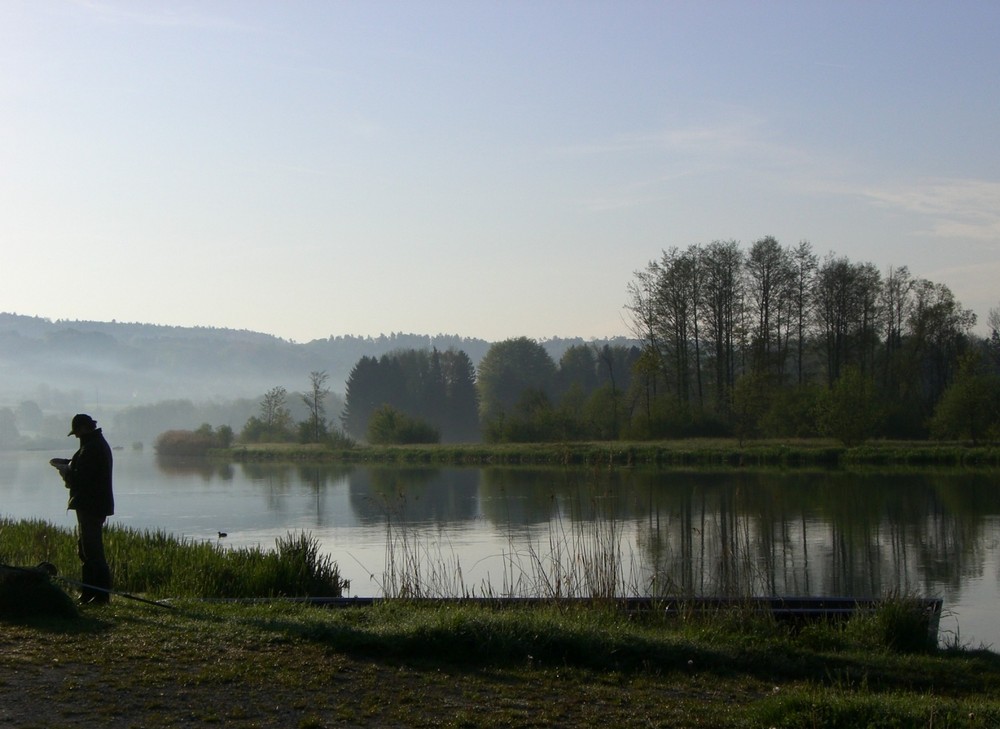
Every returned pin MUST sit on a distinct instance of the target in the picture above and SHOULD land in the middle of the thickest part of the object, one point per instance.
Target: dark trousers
(90, 547)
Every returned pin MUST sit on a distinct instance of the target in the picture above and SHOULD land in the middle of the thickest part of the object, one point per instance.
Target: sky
(484, 169)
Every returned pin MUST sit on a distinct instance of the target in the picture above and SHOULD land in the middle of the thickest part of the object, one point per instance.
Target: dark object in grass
(29, 591)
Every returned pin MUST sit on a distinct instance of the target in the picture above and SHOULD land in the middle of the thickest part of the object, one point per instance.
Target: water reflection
(414, 495)
(206, 469)
(687, 532)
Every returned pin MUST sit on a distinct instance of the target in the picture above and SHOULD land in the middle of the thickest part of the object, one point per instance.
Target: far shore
(719, 452)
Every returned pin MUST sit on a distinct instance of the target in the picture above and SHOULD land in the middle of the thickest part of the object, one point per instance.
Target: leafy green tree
(970, 407)
(253, 431)
(274, 423)
(849, 410)
(224, 436)
(601, 413)
(791, 412)
(273, 411)
(938, 336)
(533, 419)
(577, 367)
(507, 371)
(389, 426)
(750, 402)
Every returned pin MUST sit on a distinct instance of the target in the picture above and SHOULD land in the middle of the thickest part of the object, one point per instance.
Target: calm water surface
(537, 531)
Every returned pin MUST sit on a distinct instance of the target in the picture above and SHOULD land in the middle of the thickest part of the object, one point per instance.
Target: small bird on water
(222, 534)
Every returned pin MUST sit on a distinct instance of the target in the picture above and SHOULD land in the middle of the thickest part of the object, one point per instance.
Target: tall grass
(161, 565)
(571, 558)
(417, 567)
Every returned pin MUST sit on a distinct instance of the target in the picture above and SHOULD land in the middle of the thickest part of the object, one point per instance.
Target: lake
(536, 531)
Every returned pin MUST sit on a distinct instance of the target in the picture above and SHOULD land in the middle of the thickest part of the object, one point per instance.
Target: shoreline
(660, 454)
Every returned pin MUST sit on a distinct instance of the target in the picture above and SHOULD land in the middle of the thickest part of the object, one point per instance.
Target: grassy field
(688, 452)
(404, 664)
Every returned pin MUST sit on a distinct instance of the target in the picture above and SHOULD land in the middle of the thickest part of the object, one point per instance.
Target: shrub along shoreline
(684, 453)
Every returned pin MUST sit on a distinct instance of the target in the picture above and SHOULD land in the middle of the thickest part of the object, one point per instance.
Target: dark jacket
(88, 477)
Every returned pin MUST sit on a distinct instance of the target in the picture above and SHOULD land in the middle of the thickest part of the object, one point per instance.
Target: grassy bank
(690, 452)
(161, 565)
(403, 664)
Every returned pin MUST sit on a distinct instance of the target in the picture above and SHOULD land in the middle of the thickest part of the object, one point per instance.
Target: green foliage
(710, 317)
(602, 414)
(898, 624)
(310, 431)
(532, 420)
(158, 564)
(389, 426)
(338, 439)
(791, 413)
(274, 423)
(508, 370)
(970, 408)
(750, 402)
(849, 411)
(435, 387)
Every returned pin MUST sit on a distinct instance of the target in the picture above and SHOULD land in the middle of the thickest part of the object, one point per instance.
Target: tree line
(768, 341)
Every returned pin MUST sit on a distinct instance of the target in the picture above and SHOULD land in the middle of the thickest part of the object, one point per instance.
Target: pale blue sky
(487, 169)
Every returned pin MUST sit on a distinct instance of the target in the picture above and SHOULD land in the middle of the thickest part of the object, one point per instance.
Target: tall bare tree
(769, 276)
(722, 297)
(314, 401)
(804, 263)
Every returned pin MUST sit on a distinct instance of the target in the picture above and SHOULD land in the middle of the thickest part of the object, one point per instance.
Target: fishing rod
(107, 591)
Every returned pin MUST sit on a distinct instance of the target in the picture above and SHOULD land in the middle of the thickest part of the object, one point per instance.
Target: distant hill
(115, 364)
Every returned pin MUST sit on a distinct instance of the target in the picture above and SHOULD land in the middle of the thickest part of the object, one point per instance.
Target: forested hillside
(83, 363)
(154, 377)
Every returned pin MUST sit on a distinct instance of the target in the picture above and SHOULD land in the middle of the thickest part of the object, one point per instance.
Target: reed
(571, 558)
(158, 564)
